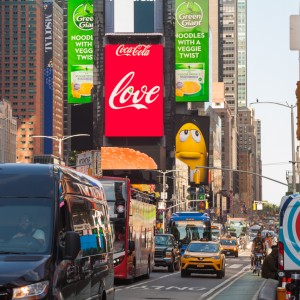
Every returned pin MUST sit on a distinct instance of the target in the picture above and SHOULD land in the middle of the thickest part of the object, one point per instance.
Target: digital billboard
(80, 51)
(133, 90)
(48, 76)
(192, 51)
(192, 145)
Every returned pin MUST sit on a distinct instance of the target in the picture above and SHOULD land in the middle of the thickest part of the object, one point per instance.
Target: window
(23, 103)
(30, 149)
(27, 157)
(23, 109)
(30, 129)
(15, 103)
(15, 110)
(23, 136)
(23, 129)
(22, 149)
(31, 103)
(22, 117)
(23, 123)
(31, 109)
(31, 116)
(22, 143)
(30, 142)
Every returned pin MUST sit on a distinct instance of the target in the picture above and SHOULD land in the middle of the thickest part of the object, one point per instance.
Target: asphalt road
(164, 285)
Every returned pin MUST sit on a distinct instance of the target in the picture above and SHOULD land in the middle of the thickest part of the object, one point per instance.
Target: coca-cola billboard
(133, 90)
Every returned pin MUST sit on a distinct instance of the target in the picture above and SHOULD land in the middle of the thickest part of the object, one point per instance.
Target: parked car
(167, 252)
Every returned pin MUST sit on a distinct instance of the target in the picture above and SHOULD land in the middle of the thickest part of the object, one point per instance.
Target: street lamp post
(56, 138)
(293, 137)
(3, 135)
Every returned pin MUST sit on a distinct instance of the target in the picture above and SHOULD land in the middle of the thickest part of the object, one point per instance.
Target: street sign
(201, 197)
(161, 205)
(164, 195)
(212, 211)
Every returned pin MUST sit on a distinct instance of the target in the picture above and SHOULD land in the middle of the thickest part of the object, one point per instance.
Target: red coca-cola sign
(133, 90)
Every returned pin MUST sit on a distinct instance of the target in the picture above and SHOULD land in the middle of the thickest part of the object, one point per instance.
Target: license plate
(228, 252)
(200, 265)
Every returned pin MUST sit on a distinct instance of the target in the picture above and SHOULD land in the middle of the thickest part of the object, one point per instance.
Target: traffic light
(298, 109)
(254, 206)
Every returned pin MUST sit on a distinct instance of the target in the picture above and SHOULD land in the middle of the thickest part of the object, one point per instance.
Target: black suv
(167, 252)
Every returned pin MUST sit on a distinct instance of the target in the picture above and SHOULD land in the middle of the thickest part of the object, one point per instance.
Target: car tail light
(281, 256)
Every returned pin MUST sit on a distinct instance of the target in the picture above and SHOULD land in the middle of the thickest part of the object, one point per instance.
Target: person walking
(269, 269)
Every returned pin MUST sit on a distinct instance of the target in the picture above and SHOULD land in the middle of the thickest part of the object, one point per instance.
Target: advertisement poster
(133, 90)
(80, 51)
(192, 145)
(192, 51)
(48, 76)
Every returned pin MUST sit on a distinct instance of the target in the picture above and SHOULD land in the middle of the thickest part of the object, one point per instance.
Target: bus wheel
(131, 280)
(147, 276)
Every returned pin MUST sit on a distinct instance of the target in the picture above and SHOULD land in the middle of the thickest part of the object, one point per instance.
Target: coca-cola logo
(124, 92)
(139, 50)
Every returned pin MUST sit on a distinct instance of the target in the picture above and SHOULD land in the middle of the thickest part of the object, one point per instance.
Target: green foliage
(72, 159)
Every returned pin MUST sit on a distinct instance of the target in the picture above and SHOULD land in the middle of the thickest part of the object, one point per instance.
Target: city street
(164, 285)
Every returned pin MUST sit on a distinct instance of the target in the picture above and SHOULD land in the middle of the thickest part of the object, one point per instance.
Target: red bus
(133, 219)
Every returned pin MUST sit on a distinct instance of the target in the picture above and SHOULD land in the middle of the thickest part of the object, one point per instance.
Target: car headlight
(186, 256)
(168, 253)
(222, 248)
(235, 249)
(38, 289)
(216, 257)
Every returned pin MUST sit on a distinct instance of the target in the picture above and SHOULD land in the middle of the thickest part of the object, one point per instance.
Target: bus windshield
(187, 231)
(237, 226)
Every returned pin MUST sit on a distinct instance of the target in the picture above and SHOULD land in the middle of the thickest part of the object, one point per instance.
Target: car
(229, 246)
(203, 257)
(167, 252)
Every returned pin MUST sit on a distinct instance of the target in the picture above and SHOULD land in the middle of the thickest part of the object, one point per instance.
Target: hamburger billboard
(191, 51)
(133, 90)
(80, 51)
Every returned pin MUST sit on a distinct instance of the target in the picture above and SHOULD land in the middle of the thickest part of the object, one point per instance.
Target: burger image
(115, 158)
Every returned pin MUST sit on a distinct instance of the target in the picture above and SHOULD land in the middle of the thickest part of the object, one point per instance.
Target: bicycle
(257, 259)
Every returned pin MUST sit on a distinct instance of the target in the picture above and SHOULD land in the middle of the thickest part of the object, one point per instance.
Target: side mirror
(73, 245)
(180, 245)
(131, 246)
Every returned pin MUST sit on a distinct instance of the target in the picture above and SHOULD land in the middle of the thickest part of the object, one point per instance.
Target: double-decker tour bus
(236, 226)
(133, 218)
(190, 226)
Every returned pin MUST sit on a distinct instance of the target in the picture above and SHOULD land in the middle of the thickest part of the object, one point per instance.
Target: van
(289, 235)
(55, 235)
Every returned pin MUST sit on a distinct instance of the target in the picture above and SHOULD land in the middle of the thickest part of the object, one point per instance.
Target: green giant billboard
(80, 51)
(192, 50)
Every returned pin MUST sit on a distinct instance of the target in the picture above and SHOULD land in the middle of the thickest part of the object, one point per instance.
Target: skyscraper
(22, 31)
(242, 53)
(228, 50)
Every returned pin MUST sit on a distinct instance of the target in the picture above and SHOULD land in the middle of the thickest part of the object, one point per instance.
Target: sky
(273, 71)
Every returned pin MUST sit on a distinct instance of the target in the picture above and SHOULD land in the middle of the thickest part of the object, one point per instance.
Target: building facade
(22, 70)
(242, 53)
(10, 132)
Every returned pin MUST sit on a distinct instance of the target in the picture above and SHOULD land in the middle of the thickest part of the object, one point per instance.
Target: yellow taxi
(203, 257)
(229, 246)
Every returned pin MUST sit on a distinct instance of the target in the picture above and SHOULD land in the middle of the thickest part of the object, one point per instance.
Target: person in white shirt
(26, 229)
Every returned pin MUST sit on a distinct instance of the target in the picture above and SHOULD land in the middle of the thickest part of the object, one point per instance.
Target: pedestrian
(269, 269)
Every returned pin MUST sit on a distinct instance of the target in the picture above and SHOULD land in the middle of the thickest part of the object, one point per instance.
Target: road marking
(227, 286)
(235, 266)
(256, 294)
(152, 280)
(226, 265)
(218, 286)
(167, 288)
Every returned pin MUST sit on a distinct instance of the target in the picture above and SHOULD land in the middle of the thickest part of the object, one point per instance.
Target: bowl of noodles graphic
(190, 88)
